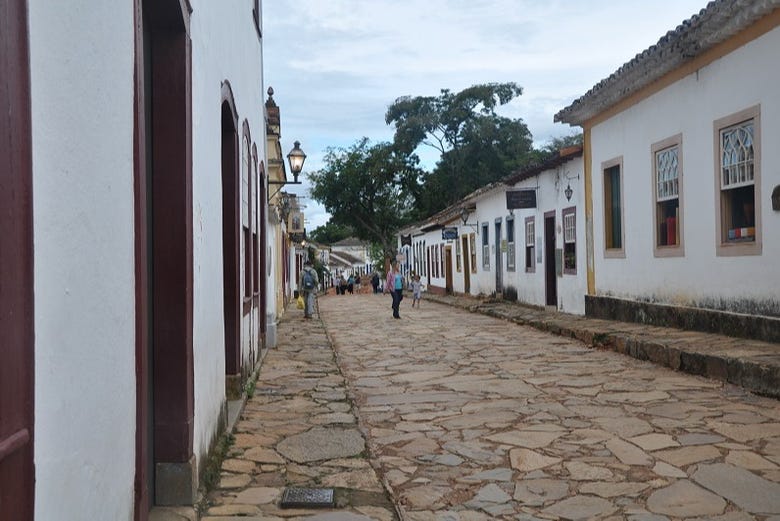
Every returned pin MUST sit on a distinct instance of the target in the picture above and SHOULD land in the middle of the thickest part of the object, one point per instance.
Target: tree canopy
(368, 187)
(476, 145)
(330, 232)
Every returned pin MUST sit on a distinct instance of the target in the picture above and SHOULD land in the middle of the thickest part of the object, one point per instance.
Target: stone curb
(758, 372)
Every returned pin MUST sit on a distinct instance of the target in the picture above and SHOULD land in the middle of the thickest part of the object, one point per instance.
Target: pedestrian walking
(395, 286)
(375, 282)
(416, 291)
(351, 284)
(308, 286)
(358, 283)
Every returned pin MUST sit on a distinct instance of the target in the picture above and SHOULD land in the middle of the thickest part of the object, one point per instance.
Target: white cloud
(336, 65)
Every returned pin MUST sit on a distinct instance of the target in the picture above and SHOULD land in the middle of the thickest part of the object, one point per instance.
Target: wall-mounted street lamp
(568, 192)
(464, 216)
(296, 158)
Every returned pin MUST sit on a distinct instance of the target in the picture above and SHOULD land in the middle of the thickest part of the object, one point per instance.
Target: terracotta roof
(452, 212)
(714, 24)
(564, 155)
(349, 241)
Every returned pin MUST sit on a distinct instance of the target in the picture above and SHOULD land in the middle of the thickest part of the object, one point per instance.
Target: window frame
(530, 249)
(473, 251)
(671, 250)
(486, 246)
(566, 212)
(613, 252)
(458, 260)
(723, 247)
(511, 258)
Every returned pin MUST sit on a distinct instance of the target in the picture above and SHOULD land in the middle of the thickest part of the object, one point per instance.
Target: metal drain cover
(307, 498)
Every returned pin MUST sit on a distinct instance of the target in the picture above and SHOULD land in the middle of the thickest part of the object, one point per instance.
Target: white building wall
(82, 130)
(742, 79)
(531, 286)
(225, 46)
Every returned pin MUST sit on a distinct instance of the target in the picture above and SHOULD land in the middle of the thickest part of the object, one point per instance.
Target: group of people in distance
(394, 285)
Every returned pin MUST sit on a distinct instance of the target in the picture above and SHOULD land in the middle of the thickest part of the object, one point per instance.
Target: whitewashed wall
(225, 46)
(742, 79)
(82, 126)
(571, 288)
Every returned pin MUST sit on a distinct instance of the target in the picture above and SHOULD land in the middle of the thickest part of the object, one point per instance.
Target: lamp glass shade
(568, 192)
(464, 215)
(296, 157)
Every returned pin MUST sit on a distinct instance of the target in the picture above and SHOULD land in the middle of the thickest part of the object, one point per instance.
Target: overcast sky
(336, 65)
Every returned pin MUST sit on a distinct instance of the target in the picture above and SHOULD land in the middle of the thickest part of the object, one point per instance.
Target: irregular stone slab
(338, 516)
(537, 492)
(526, 460)
(687, 455)
(234, 510)
(625, 427)
(419, 447)
(423, 497)
(654, 441)
(321, 444)
(238, 466)
(475, 451)
(608, 489)
(684, 499)
(364, 479)
(261, 455)
(501, 474)
(635, 397)
(749, 460)
(749, 491)
(666, 470)
(232, 481)
(581, 507)
(527, 439)
(257, 496)
(696, 438)
(580, 471)
(743, 433)
(492, 493)
(334, 417)
(628, 453)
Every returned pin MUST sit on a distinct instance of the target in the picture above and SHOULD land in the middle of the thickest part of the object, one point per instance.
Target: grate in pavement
(307, 498)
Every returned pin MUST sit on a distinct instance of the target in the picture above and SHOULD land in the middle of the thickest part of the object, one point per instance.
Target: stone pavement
(472, 418)
(298, 430)
(751, 364)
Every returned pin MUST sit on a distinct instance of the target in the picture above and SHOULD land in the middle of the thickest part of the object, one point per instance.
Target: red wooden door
(16, 268)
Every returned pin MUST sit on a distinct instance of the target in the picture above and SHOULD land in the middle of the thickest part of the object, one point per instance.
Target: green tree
(475, 144)
(368, 187)
(330, 232)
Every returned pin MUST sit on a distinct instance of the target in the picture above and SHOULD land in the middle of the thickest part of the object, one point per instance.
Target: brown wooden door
(466, 265)
(17, 480)
(448, 269)
(551, 282)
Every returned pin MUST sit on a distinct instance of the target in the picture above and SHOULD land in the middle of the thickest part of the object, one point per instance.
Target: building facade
(136, 175)
(680, 168)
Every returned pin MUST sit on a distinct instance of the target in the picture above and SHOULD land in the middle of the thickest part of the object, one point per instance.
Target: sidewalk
(751, 364)
(299, 430)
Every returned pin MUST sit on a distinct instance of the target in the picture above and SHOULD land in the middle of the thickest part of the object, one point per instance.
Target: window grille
(737, 167)
(667, 172)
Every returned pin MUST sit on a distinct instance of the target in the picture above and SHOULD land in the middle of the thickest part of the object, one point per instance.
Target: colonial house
(517, 238)
(353, 254)
(681, 173)
(132, 248)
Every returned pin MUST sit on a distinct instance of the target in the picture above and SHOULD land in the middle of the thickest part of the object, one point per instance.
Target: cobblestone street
(472, 418)
(450, 415)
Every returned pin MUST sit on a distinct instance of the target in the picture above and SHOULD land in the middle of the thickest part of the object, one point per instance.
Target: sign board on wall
(449, 234)
(520, 199)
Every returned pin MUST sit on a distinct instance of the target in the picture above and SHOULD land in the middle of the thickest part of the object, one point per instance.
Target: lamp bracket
(281, 185)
